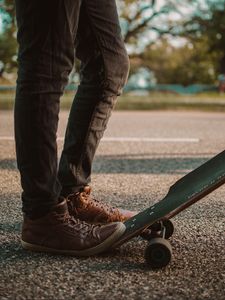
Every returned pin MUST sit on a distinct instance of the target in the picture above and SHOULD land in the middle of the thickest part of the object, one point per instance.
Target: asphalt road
(129, 174)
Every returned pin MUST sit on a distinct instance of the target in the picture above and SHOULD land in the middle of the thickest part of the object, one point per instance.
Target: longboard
(185, 192)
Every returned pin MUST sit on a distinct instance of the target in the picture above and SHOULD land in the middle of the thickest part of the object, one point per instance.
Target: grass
(162, 101)
(153, 101)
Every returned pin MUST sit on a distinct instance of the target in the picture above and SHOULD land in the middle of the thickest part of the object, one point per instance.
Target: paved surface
(135, 175)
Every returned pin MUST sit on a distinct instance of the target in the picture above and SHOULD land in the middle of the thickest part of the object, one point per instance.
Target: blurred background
(176, 49)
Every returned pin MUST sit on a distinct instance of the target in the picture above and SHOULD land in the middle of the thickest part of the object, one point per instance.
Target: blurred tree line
(150, 28)
(8, 44)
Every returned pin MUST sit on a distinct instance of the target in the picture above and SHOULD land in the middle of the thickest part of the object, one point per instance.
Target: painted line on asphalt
(129, 139)
(6, 138)
(153, 140)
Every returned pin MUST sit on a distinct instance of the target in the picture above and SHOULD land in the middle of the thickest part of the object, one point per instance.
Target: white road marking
(129, 139)
(6, 138)
(154, 140)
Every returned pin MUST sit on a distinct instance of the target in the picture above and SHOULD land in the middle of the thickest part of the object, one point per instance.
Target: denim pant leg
(104, 72)
(46, 31)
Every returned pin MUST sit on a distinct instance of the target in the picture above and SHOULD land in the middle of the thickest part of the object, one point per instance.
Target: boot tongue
(61, 207)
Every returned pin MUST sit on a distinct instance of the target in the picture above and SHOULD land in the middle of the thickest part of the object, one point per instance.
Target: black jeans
(50, 34)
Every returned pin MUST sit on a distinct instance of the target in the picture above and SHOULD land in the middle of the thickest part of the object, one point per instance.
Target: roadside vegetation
(151, 101)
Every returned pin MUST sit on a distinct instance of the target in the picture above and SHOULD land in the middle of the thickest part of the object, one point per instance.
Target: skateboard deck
(185, 192)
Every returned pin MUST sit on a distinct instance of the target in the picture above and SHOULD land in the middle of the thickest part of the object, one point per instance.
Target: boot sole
(87, 252)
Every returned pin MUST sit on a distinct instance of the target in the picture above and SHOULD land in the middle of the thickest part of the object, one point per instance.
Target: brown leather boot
(83, 206)
(58, 232)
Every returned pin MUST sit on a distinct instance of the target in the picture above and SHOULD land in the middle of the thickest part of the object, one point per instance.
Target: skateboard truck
(163, 229)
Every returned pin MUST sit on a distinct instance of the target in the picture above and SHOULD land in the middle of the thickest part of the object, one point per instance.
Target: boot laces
(109, 209)
(89, 202)
(78, 225)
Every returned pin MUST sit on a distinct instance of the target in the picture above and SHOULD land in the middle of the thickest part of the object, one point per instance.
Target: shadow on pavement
(120, 164)
(111, 164)
(10, 227)
(8, 164)
(12, 253)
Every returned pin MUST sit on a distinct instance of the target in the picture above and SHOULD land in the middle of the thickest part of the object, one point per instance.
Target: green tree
(208, 24)
(198, 61)
(8, 44)
(189, 64)
(144, 20)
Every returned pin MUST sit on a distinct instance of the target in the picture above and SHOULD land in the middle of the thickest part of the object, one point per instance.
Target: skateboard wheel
(169, 228)
(158, 253)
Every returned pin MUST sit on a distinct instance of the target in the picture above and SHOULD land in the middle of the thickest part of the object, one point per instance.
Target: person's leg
(104, 72)
(46, 55)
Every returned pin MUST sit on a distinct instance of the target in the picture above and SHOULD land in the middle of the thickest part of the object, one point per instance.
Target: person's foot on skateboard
(83, 206)
(58, 232)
